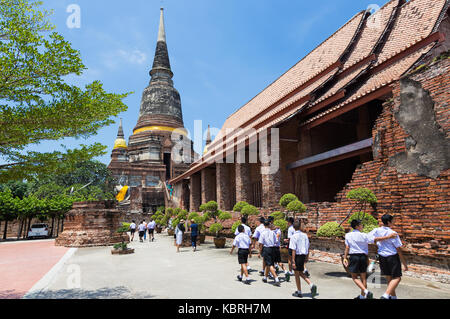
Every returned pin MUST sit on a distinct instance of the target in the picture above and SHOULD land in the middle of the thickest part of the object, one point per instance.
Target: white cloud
(133, 57)
(113, 59)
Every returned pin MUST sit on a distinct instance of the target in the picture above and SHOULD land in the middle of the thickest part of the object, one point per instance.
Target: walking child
(256, 236)
(194, 234)
(277, 251)
(151, 229)
(299, 244)
(267, 241)
(141, 229)
(132, 229)
(243, 243)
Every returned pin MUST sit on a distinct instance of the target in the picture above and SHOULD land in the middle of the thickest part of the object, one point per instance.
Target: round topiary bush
(225, 216)
(296, 206)
(175, 222)
(278, 215)
(249, 210)
(215, 228)
(193, 215)
(368, 221)
(362, 195)
(235, 226)
(238, 207)
(202, 208)
(211, 206)
(282, 224)
(331, 229)
(286, 199)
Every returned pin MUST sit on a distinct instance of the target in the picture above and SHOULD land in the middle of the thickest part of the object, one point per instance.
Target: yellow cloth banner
(123, 192)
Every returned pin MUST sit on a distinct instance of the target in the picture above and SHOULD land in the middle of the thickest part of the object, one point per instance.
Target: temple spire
(162, 30)
(120, 132)
(208, 136)
(161, 63)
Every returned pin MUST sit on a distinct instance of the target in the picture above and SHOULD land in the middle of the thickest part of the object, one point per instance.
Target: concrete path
(24, 263)
(157, 271)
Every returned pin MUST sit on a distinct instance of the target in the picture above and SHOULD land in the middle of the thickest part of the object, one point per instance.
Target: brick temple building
(369, 107)
(147, 162)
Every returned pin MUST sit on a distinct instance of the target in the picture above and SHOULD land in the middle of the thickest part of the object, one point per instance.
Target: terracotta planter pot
(284, 254)
(158, 230)
(122, 252)
(220, 242)
(202, 238)
(170, 232)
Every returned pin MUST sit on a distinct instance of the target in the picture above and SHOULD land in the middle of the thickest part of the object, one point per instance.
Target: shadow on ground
(11, 294)
(102, 293)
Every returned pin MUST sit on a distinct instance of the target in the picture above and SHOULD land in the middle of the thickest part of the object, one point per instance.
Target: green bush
(278, 215)
(121, 246)
(170, 212)
(215, 228)
(225, 216)
(249, 210)
(235, 226)
(207, 216)
(175, 222)
(182, 214)
(367, 220)
(331, 229)
(193, 215)
(282, 224)
(202, 208)
(286, 199)
(126, 225)
(362, 195)
(296, 206)
(211, 206)
(238, 207)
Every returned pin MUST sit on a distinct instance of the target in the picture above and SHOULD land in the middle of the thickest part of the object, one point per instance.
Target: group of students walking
(142, 229)
(266, 239)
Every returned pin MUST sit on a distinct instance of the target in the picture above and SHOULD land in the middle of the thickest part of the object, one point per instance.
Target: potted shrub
(278, 215)
(368, 221)
(296, 207)
(286, 199)
(215, 229)
(200, 221)
(362, 197)
(122, 248)
(238, 207)
(249, 210)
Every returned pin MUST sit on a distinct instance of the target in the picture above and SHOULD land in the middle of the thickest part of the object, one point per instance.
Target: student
(299, 244)
(357, 247)
(179, 231)
(194, 234)
(141, 229)
(243, 243)
(151, 229)
(247, 230)
(267, 241)
(132, 229)
(145, 231)
(391, 256)
(277, 252)
(256, 236)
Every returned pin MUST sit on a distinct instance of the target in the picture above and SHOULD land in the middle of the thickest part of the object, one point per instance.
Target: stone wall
(91, 224)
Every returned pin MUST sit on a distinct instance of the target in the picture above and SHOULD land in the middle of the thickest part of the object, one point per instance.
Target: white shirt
(242, 241)
(142, 227)
(291, 231)
(247, 231)
(277, 233)
(358, 242)
(300, 243)
(151, 225)
(267, 238)
(388, 247)
(258, 231)
(132, 226)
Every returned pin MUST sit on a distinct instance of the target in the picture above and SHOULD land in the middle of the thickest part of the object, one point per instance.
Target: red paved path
(23, 264)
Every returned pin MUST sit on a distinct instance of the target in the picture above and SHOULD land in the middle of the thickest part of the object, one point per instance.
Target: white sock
(362, 297)
(393, 297)
(366, 292)
(385, 295)
(286, 272)
(245, 278)
(311, 285)
(265, 278)
(277, 280)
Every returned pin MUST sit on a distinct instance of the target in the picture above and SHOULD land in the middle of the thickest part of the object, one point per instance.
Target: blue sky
(223, 52)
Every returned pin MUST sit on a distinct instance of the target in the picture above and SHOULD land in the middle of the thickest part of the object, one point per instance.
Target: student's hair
(386, 218)
(271, 219)
(266, 222)
(192, 221)
(262, 219)
(297, 225)
(241, 228)
(355, 223)
(133, 221)
(243, 219)
(291, 220)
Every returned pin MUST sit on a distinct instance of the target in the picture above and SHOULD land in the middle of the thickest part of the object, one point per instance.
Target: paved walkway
(157, 271)
(24, 263)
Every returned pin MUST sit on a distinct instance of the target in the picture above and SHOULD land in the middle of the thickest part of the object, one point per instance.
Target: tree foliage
(36, 103)
(286, 199)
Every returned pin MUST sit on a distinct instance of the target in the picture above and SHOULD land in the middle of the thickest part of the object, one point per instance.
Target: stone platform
(91, 224)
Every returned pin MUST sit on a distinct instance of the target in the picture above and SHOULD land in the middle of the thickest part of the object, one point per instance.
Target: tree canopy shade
(36, 103)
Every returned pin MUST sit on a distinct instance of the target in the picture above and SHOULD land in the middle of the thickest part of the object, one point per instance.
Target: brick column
(208, 185)
(271, 190)
(243, 185)
(195, 193)
(304, 151)
(223, 189)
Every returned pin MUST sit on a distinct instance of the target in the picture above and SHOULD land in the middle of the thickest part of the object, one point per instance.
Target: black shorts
(277, 254)
(243, 256)
(141, 233)
(357, 263)
(269, 256)
(132, 231)
(290, 253)
(151, 231)
(391, 266)
(300, 263)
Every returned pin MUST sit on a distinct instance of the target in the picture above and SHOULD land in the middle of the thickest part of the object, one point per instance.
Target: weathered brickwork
(195, 193)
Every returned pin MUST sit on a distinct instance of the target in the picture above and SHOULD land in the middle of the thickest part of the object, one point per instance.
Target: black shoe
(287, 276)
(307, 274)
(239, 278)
(277, 283)
(383, 297)
(247, 282)
(297, 294)
(313, 291)
(261, 273)
(264, 280)
(369, 295)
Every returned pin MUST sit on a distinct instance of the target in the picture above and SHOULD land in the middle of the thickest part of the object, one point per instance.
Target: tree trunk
(57, 228)
(19, 232)
(6, 230)
(62, 224)
(53, 224)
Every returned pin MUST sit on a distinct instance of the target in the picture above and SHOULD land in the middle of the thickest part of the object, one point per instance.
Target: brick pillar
(304, 151)
(271, 190)
(208, 185)
(223, 186)
(243, 185)
(195, 192)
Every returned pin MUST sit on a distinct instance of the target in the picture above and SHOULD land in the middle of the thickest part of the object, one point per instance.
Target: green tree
(36, 103)
(8, 210)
